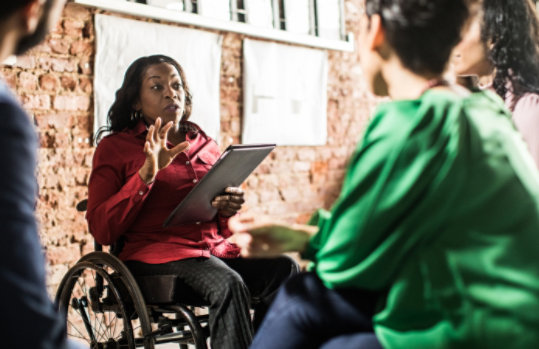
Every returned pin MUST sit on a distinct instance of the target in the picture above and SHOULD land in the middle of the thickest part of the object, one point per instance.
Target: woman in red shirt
(151, 160)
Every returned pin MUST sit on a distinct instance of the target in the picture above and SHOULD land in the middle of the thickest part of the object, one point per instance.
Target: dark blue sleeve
(29, 319)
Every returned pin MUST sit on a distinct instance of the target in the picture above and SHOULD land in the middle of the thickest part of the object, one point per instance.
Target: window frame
(192, 19)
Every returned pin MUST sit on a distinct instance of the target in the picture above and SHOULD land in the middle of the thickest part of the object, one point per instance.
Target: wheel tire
(101, 289)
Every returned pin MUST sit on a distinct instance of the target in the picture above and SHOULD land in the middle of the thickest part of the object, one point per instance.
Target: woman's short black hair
(510, 33)
(119, 115)
(422, 32)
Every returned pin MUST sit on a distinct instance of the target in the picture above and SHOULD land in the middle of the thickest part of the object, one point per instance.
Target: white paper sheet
(120, 41)
(285, 94)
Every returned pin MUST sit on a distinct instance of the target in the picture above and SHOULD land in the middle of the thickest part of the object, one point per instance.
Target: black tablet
(230, 170)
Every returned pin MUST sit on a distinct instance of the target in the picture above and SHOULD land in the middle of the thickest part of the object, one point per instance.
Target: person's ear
(31, 14)
(376, 37)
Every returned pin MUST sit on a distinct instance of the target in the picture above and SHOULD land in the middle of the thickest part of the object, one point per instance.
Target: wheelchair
(105, 306)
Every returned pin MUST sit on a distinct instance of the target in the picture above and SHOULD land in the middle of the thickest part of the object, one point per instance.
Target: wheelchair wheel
(103, 305)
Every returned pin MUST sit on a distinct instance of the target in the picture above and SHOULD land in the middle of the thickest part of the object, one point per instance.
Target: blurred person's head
(418, 34)
(500, 46)
(153, 86)
(25, 23)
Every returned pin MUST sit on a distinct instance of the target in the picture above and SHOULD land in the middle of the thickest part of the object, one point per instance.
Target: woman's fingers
(149, 136)
(147, 148)
(228, 202)
(234, 190)
(235, 194)
(183, 146)
(157, 128)
(164, 132)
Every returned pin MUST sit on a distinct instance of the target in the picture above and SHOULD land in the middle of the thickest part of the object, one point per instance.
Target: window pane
(219, 9)
(259, 12)
(168, 4)
(297, 13)
(329, 19)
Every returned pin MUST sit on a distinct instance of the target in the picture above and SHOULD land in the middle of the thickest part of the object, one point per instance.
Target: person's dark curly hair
(422, 32)
(119, 115)
(510, 33)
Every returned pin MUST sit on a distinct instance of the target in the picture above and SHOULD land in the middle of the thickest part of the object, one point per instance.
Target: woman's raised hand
(158, 156)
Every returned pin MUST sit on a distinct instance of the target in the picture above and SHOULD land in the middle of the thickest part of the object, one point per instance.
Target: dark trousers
(306, 314)
(230, 287)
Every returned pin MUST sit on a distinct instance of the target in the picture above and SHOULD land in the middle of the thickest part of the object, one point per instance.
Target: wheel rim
(97, 318)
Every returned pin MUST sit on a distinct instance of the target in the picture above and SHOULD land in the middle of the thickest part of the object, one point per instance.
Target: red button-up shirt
(121, 204)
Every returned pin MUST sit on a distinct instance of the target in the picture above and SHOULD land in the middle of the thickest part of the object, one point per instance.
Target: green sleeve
(319, 218)
(389, 203)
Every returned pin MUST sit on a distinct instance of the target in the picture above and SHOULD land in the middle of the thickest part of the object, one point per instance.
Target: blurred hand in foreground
(261, 236)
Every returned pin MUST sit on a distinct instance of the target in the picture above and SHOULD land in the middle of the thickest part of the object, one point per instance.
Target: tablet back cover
(230, 170)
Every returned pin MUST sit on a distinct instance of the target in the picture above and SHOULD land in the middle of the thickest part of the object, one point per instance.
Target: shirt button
(140, 192)
(187, 162)
(195, 180)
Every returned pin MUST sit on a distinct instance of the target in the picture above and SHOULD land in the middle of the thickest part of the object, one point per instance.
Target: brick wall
(54, 83)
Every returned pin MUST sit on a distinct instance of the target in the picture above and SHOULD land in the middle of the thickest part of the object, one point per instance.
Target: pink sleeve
(526, 119)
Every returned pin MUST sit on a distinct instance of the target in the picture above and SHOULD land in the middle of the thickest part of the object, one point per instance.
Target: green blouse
(439, 211)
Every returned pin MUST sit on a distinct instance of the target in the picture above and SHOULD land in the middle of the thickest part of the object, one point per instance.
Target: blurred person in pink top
(500, 50)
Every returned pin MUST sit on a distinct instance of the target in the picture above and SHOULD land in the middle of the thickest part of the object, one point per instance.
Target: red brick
(86, 85)
(10, 77)
(48, 82)
(81, 48)
(25, 62)
(57, 64)
(53, 139)
(73, 27)
(85, 66)
(77, 12)
(59, 45)
(71, 102)
(68, 83)
(36, 101)
(57, 121)
(27, 81)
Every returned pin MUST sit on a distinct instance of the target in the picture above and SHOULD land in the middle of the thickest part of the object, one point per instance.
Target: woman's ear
(376, 37)
(31, 14)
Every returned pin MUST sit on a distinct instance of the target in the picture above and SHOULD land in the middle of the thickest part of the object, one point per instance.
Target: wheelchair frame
(103, 306)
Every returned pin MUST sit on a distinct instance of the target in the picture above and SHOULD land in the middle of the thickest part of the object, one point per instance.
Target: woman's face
(161, 94)
(470, 58)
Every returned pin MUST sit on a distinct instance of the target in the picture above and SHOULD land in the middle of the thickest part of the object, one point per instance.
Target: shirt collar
(141, 129)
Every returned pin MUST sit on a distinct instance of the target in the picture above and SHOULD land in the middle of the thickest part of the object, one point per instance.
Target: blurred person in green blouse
(433, 240)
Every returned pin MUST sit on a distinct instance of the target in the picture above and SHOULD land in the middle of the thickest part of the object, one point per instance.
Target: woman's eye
(157, 87)
(177, 86)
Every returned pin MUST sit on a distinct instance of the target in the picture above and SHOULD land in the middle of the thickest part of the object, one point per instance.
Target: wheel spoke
(85, 302)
